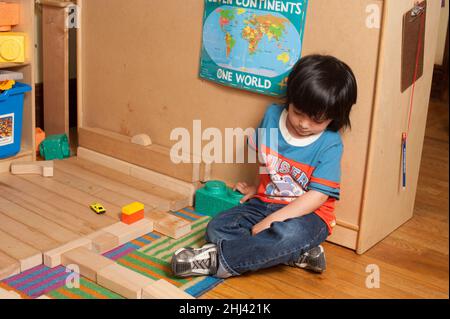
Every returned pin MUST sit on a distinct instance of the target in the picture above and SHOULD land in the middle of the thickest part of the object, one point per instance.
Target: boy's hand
(247, 190)
(261, 226)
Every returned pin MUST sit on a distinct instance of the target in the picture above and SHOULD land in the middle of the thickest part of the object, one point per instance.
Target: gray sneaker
(187, 262)
(313, 260)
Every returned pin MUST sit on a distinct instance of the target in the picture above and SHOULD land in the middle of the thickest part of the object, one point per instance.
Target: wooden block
(141, 139)
(123, 281)
(52, 258)
(31, 262)
(15, 295)
(8, 266)
(89, 262)
(131, 218)
(168, 224)
(103, 242)
(104, 160)
(5, 165)
(162, 289)
(126, 233)
(8, 294)
(154, 157)
(44, 168)
(95, 234)
(28, 256)
(109, 181)
(152, 177)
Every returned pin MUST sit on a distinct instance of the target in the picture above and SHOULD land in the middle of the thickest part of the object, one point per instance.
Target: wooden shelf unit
(5, 65)
(26, 25)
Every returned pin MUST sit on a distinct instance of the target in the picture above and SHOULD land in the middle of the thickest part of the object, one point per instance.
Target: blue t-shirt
(293, 166)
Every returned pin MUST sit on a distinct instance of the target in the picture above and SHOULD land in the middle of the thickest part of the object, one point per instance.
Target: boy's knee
(212, 232)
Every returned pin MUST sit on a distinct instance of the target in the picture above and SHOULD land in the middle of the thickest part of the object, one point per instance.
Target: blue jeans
(240, 252)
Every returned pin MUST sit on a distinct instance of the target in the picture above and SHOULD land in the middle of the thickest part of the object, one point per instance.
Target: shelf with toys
(17, 55)
(7, 65)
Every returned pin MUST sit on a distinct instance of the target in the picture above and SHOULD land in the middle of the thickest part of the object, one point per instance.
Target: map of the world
(252, 41)
(250, 48)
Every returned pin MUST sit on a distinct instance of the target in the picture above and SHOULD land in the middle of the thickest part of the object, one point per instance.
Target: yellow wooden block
(132, 208)
(12, 47)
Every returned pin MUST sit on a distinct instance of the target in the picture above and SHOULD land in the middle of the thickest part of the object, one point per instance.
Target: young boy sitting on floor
(290, 213)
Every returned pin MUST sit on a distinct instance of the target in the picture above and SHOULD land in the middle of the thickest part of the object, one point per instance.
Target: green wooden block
(215, 198)
(55, 147)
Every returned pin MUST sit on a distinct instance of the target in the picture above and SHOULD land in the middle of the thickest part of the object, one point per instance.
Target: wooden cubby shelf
(27, 26)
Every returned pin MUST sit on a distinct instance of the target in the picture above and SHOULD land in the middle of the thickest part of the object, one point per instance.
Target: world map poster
(252, 44)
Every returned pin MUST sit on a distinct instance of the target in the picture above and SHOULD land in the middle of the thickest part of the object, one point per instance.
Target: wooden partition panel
(386, 204)
(55, 38)
(139, 71)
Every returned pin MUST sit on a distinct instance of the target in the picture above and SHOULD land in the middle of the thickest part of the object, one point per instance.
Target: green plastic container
(215, 198)
(55, 147)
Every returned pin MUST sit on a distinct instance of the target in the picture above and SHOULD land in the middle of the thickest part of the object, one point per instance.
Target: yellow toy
(12, 47)
(6, 85)
(98, 208)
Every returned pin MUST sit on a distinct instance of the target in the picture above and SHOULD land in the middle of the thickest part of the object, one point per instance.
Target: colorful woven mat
(148, 255)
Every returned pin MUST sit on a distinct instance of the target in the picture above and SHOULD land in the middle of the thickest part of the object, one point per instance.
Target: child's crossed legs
(294, 242)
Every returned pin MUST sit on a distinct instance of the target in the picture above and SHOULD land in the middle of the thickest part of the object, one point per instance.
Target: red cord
(411, 104)
(416, 71)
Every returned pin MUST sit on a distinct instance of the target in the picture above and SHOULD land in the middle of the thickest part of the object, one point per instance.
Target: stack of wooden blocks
(84, 256)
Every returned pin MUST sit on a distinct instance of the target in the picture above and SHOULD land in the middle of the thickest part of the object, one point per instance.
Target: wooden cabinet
(138, 73)
(26, 25)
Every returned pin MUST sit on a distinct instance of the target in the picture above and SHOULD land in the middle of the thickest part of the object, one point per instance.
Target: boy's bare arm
(304, 205)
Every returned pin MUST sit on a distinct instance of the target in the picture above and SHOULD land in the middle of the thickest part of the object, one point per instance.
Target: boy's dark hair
(324, 88)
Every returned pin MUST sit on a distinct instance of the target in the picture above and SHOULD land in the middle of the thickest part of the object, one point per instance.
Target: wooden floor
(413, 261)
(38, 214)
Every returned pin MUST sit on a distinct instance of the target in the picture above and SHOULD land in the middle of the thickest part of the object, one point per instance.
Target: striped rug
(148, 255)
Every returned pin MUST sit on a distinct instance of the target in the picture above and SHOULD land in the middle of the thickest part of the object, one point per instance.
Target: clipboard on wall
(414, 27)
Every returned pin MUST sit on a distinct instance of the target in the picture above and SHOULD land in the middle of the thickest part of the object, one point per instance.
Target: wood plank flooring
(38, 214)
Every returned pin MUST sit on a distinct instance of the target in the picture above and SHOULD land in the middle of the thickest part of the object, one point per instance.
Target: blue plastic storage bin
(11, 114)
